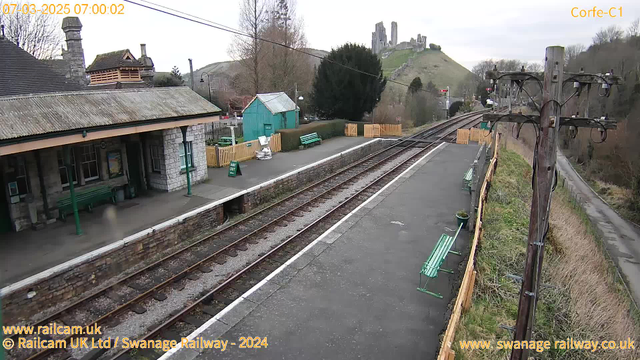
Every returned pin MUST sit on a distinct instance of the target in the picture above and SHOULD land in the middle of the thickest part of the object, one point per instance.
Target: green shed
(268, 113)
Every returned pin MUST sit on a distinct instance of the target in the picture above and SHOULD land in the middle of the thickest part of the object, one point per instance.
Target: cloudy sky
(468, 31)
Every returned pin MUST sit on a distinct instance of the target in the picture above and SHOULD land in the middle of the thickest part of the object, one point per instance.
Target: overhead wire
(198, 20)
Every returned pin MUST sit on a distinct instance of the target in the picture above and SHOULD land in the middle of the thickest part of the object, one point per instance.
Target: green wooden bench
(467, 179)
(85, 199)
(433, 264)
(309, 139)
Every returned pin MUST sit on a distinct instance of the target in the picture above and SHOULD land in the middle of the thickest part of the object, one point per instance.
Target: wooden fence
(377, 130)
(239, 152)
(350, 129)
(371, 130)
(479, 135)
(390, 130)
(465, 293)
(462, 136)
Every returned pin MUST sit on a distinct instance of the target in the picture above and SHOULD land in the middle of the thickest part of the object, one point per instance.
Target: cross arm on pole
(584, 122)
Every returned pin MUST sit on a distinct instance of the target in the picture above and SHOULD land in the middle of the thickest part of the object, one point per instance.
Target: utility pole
(543, 183)
(191, 74)
(544, 172)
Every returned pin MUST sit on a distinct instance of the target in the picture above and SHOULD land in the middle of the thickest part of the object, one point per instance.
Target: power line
(212, 24)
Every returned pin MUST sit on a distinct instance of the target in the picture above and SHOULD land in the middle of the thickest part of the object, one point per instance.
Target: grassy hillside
(429, 65)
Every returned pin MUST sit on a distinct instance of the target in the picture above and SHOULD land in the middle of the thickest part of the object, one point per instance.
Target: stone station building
(129, 140)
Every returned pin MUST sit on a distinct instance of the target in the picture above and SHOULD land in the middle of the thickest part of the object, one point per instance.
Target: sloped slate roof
(30, 115)
(21, 73)
(113, 60)
(58, 65)
(277, 102)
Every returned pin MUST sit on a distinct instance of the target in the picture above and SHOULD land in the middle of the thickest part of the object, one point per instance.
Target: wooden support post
(451, 355)
(541, 201)
(466, 305)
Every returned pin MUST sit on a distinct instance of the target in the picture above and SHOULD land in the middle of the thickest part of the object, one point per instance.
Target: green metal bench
(433, 264)
(85, 199)
(467, 179)
(225, 141)
(310, 139)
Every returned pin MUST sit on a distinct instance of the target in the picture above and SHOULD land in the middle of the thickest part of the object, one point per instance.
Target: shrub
(325, 129)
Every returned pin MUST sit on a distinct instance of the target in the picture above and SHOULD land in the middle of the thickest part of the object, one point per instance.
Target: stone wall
(92, 272)
(172, 141)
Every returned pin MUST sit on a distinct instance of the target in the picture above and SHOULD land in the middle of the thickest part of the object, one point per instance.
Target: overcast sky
(468, 31)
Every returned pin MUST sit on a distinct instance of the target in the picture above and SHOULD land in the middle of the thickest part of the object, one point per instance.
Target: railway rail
(183, 265)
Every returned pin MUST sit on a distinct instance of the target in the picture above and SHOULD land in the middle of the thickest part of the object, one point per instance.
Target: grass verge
(585, 300)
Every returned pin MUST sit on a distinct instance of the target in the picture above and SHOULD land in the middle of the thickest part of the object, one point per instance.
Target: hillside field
(429, 65)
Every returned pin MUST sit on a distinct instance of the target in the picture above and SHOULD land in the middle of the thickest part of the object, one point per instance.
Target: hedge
(326, 129)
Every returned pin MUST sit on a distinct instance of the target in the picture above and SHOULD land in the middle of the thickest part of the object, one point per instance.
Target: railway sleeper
(137, 308)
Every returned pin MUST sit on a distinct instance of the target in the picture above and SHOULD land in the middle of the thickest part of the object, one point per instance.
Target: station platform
(352, 292)
(29, 252)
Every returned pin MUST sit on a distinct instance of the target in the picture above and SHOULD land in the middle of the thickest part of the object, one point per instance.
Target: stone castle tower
(74, 54)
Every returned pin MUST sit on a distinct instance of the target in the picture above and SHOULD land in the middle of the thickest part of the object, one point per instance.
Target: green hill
(429, 65)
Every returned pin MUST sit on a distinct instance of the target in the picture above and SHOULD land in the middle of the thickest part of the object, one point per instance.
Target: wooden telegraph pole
(544, 168)
(544, 177)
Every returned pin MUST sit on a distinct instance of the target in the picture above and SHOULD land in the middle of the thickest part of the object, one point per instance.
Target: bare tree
(608, 35)
(286, 66)
(571, 52)
(38, 34)
(634, 28)
(481, 68)
(247, 50)
(534, 67)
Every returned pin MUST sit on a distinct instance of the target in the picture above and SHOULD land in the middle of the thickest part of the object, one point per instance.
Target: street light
(208, 82)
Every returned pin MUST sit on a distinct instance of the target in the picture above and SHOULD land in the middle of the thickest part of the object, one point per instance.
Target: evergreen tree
(416, 85)
(174, 79)
(344, 93)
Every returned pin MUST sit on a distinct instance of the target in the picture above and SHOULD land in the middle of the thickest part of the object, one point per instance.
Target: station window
(156, 158)
(64, 175)
(17, 177)
(89, 162)
(189, 155)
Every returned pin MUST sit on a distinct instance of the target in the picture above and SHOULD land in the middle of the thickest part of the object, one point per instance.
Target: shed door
(268, 130)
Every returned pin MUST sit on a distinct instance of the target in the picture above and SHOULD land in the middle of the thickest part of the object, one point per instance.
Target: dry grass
(600, 311)
(587, 300)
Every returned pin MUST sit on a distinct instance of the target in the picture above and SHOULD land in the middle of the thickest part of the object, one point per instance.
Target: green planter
(462, 220)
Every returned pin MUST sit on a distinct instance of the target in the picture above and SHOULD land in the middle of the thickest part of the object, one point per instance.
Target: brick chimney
(149, 70)
(74, 55)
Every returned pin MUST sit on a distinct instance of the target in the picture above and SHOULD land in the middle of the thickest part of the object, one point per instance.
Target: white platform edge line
(132, 238)
(257, 286)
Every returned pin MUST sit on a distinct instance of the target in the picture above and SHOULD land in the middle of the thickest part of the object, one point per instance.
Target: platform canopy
(43, 120)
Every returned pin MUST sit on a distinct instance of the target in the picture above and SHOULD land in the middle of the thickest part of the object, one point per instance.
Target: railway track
(105, 306)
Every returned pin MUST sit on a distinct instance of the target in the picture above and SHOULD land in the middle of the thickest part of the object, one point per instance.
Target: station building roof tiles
(38, 114)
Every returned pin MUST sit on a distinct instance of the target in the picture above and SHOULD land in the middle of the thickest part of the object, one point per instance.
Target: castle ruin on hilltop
(379, 41)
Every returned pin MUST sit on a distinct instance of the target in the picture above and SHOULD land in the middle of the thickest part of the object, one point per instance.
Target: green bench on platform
(467, 179)
(433, 264)
(225, 141)
(85, 199)
(310, 139)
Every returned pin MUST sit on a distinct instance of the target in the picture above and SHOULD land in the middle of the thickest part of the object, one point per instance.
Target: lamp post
(208, 82)
(301, 98)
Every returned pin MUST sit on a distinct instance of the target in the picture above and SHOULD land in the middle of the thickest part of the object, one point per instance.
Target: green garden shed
(268, 113)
